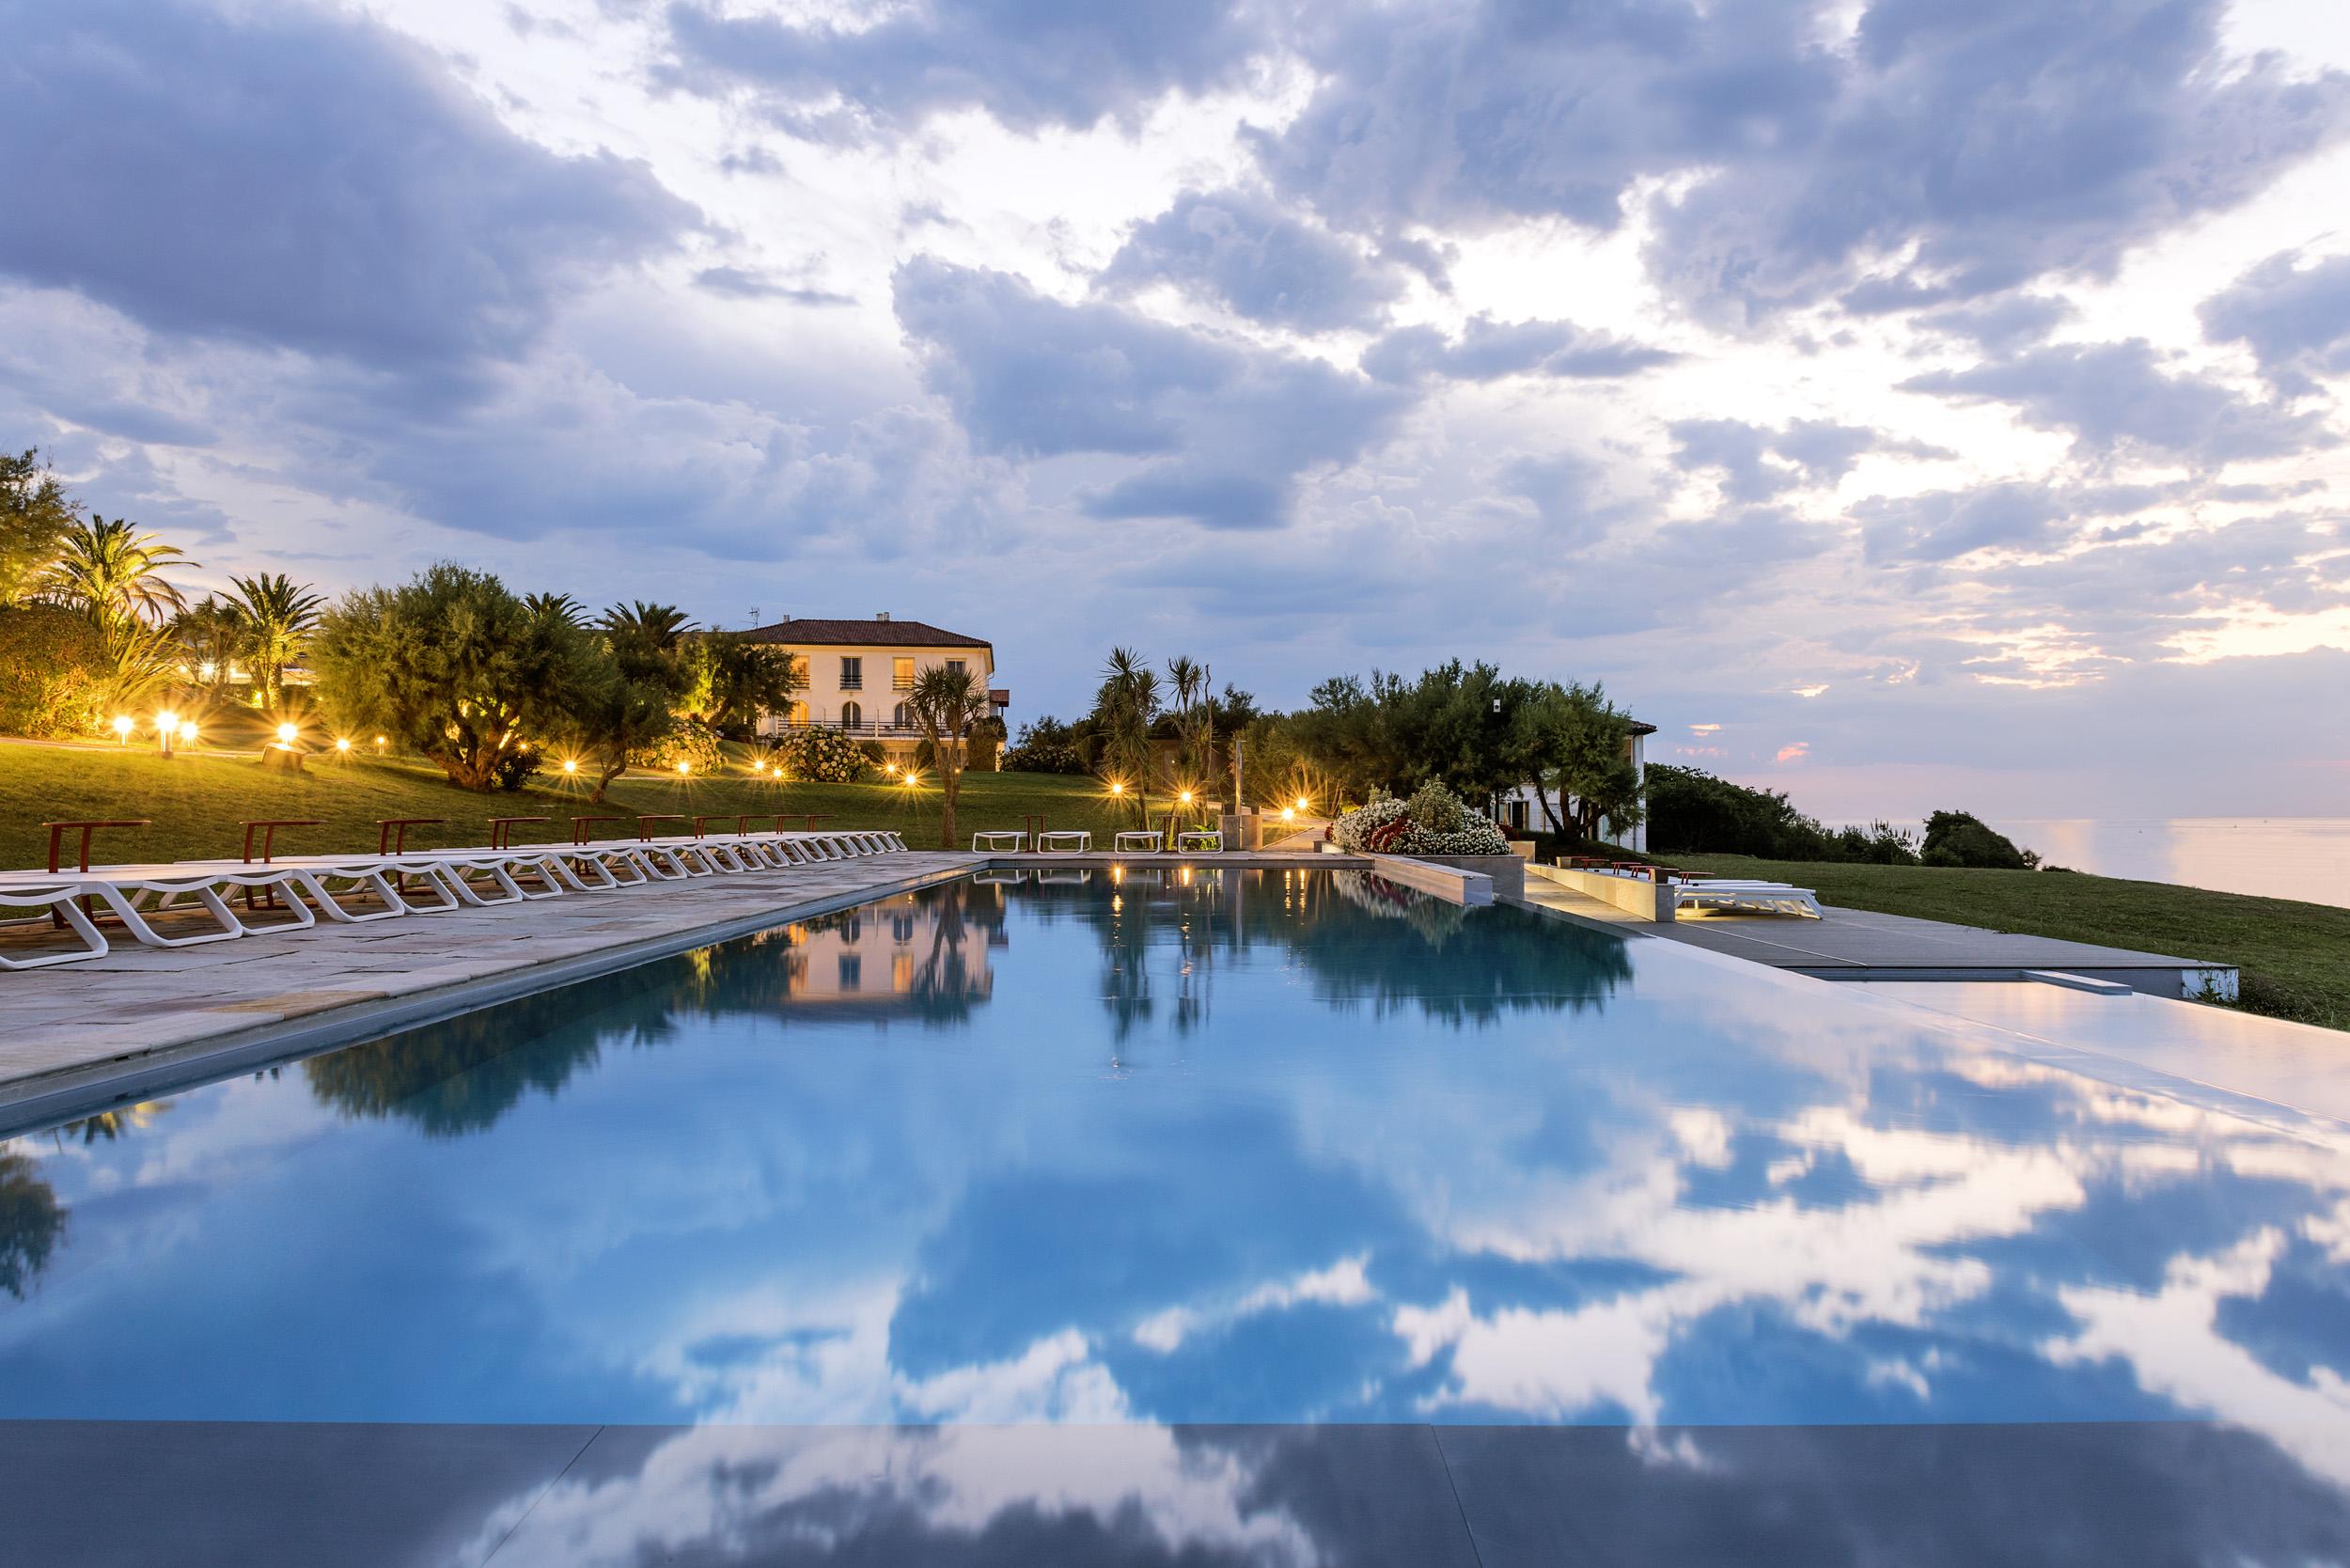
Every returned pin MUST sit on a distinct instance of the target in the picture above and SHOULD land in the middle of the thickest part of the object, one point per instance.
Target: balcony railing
(877, 729)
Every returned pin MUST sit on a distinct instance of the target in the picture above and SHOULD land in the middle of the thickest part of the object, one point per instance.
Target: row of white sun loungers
(1748, 894)
(340, 888)
(1077, 842)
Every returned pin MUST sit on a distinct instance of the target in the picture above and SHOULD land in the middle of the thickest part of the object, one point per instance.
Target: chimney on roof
(882, 616)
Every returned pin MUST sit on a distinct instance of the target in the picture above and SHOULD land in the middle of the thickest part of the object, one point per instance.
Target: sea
(2277, 858)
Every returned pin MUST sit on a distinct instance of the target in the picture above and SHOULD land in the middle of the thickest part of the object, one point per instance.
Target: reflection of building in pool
(906, 949)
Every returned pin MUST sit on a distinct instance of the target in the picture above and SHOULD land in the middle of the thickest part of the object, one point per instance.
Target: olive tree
(459, 670)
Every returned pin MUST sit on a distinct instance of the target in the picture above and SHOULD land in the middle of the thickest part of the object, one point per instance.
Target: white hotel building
(860, 672)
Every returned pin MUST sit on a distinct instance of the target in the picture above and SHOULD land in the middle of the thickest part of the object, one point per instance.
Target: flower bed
(1432, 822)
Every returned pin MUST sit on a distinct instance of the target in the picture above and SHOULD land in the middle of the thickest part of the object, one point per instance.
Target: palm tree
(108, 572)
(211, 636)
(946, 701)
(1123, 708)
(556, 606)
(278, 619)
(655, 628)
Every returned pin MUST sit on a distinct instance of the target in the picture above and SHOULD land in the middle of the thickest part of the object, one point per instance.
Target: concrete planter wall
(1506, 871)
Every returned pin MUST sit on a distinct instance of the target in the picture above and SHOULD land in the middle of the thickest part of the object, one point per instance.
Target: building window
(850, 715)
(852, 971)
(900, 717)
(852, 674)
(955, 664)
(902, 674)
(799, 713)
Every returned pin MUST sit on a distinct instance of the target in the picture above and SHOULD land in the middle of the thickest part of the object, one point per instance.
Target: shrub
(691, 740)
(54, 672)
(1878, 844)
(1692, 812)
(822, 757)
(1046, 745)
(1436, 809)
(1960, 839)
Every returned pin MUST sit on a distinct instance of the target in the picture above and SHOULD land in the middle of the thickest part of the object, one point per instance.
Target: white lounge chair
(1068, 840)
(1766, 898)
(66, 900)
(1001, 840)
(1137, 840)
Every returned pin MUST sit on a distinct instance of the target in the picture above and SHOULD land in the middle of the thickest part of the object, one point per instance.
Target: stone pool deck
(1859, 945)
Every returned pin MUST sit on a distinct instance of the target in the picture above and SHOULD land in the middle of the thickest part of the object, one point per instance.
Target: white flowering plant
(1433, 822)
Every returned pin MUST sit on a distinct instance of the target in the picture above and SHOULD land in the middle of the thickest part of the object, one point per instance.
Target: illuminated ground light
(571, 765)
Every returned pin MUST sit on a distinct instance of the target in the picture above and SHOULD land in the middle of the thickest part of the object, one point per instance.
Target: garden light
(286, 733)
(166, 723)
(187, 732)
(1185, 797)
(685, 768)
(343, 745)
(1117, 788)
(893, 770)
(1289, 814)
(571, 765)
(1301, 803)
(379, 744)
(123, 726)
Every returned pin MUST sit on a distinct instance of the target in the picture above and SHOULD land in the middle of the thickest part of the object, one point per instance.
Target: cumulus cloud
(2295, 316)
(1249, 253)
(2112, 396)
(1755, 463)
(1487, 349)
(1029, 63)
(1227, 430)
(2001, 325)
(1949, 151)
(302, 178)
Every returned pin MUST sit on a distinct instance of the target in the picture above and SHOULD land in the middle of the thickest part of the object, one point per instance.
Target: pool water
(1285, 1149)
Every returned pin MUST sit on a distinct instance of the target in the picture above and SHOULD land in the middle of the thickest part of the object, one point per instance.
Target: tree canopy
(459, 669)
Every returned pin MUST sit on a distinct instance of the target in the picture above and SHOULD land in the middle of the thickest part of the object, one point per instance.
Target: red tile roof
(868, 634)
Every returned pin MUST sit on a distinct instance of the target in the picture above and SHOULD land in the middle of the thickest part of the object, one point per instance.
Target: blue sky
(1909, 403)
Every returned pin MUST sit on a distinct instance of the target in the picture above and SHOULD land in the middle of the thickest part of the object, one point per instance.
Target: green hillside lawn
(197, 802)
(2294, 957)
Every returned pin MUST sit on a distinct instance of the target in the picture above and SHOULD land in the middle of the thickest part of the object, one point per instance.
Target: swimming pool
(1285, 1216)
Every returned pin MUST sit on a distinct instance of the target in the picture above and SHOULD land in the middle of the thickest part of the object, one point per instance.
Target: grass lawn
(2294, 957)
(197, 802)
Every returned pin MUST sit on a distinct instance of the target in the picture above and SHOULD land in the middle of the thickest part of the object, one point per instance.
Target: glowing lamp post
(166, 729)
(284, 753)
(122, 728)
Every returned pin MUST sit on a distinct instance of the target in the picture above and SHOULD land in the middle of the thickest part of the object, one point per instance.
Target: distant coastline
(2277, 857)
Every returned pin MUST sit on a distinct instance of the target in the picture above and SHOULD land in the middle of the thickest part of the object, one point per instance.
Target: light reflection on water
(2276, 857)
(1267, 1148)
